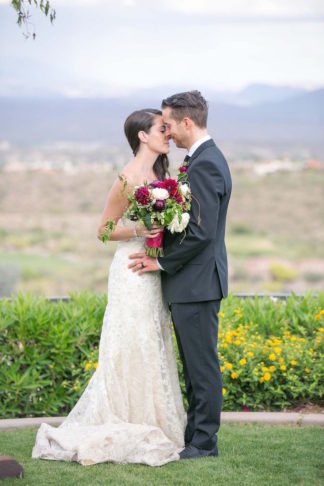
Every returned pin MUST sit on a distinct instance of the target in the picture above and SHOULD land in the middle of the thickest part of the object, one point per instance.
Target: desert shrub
(282, 273)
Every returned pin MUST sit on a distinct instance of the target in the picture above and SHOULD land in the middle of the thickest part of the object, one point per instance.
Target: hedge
(271, 352)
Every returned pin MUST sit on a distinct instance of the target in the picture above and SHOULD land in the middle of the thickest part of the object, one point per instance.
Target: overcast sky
(106, 47)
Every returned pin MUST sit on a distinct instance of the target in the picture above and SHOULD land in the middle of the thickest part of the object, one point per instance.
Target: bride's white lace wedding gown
(132, 409)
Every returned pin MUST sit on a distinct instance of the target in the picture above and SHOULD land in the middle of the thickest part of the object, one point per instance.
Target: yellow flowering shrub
(271, 353)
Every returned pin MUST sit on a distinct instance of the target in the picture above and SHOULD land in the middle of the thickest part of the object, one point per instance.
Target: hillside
(296, 122)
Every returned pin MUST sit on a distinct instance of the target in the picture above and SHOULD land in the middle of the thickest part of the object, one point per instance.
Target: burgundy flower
(157, 183)
(178, 198)
(171, 186)
(183, 168)
(142, 195)
(159, 205)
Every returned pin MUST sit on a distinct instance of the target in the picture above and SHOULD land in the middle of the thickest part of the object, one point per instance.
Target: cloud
(230, 8)
(246, 8)
(102, 45)
(211, 10)
(242, 8)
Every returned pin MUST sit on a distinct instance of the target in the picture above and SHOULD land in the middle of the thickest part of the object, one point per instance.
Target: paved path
(267, 418)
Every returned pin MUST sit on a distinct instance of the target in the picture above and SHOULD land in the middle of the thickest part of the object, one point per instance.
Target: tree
(21, 7)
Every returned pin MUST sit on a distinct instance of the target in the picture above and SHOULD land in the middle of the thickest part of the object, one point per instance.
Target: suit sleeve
(207, 187)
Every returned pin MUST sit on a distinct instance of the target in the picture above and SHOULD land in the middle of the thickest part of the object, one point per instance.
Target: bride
(132, 409)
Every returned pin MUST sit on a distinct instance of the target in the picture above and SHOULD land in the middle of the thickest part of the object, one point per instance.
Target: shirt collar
(197, 144)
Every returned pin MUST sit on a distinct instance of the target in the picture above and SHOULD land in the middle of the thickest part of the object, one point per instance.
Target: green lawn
(253, 455)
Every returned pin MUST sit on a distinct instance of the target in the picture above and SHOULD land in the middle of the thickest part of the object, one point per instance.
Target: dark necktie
(186, 159)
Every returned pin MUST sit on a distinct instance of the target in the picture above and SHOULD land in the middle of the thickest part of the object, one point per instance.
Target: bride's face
(157, 139)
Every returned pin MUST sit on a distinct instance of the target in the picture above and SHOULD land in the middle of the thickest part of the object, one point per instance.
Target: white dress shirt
(197, 144)
(191, 151)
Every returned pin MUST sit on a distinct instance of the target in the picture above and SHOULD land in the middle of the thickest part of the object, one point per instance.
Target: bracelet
(135, 233)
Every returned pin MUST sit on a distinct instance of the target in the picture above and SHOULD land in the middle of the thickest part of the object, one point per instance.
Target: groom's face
(174, 129)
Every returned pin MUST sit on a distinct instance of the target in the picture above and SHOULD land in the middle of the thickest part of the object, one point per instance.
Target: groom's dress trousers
(194, 280)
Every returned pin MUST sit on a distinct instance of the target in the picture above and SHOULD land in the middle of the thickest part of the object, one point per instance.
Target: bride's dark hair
(143, 120)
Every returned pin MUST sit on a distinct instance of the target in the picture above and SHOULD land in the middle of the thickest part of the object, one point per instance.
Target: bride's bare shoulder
(128, 175)
(124, 182)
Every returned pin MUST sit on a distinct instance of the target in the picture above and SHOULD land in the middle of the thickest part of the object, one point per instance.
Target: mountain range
(259, 115)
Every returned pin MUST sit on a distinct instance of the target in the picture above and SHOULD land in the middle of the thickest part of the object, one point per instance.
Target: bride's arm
(114, 209)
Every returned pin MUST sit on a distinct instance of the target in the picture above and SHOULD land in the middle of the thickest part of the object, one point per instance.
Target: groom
(194, 271)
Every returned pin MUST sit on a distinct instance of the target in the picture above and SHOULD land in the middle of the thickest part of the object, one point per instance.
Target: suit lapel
(200, 149)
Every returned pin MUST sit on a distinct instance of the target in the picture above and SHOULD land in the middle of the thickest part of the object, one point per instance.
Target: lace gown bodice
(131, 410)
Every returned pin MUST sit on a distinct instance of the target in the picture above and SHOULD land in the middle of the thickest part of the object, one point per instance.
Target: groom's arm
(159, 264)
(207, 187)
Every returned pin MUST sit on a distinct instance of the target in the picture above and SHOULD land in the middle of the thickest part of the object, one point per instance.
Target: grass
(39, 264)
(52, 274)
(249, 455)
(246, 245)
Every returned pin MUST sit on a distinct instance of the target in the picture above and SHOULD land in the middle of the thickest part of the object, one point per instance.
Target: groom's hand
(143, 263)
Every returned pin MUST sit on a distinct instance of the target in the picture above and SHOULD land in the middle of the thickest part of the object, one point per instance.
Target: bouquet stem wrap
(154, 246)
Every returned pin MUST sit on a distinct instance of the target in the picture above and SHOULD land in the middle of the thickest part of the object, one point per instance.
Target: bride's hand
(142, 231)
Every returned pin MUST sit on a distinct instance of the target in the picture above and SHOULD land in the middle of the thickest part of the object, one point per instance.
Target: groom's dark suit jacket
(196, 269)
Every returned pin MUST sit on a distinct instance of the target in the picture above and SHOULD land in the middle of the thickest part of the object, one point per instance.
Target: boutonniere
(182, 178)
(182, 175)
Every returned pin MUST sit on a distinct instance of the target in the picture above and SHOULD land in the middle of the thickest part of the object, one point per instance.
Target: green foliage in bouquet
(108, 229)
(271, 353)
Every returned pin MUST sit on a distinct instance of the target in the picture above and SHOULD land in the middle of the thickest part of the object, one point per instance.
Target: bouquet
(160, 203)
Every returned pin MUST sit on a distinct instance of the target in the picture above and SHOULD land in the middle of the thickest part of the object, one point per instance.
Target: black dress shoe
(192, 452)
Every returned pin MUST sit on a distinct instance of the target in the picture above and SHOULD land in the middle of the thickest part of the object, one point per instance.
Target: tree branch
(21, 7)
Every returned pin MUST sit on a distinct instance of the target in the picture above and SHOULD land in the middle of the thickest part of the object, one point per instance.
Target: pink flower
(183, 168)
(171, 186)
(142, 196)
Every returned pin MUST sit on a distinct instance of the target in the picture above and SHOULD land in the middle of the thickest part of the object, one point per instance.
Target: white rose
(185, 220)
(177, 226)
(159, 193)
(184, 189)
(173, 226)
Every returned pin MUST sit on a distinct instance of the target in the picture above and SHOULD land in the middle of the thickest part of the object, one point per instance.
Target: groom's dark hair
(191, 104)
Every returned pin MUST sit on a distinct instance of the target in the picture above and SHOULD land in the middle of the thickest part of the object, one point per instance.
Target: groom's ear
(142, 136)
(187, 122)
